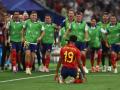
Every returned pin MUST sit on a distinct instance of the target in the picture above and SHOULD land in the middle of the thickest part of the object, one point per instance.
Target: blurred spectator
(89, 7)
(88, 13)
(64, 11)
(58, 6)
(25, 15)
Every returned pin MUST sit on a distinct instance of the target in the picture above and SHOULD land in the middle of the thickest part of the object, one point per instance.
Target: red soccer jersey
(69, 55)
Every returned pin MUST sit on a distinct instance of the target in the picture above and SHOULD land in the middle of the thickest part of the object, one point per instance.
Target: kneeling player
(70, 60)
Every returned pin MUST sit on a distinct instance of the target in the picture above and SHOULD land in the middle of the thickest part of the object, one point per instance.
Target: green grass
(95, 81)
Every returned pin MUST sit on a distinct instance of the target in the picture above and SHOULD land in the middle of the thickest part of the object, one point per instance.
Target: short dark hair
(33, 12)
(79, 13)
(48, 15)
(73, 38)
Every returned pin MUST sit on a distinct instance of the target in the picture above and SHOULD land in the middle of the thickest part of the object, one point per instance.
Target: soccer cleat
(85, 69)
(97, 69)
(60, 79)
(115, 70)
(93, 69)
(109, 68)
(42, 68)
(46, 69)
(104, 68)
(27, 71)
(14, 69)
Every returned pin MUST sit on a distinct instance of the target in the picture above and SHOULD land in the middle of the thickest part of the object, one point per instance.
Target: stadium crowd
(94, 7)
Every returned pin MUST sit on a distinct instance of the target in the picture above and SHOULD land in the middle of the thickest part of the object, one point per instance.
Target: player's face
(93, 22)
(33, 16)
(21, 17)
(48, 19)
(16, 15)
(71, 15)
(113, 20)
(105, 18)
(79, 17)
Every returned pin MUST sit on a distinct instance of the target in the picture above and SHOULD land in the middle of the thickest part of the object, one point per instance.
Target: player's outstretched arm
(81, 69)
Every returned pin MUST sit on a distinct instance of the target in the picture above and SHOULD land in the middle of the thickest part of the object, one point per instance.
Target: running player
(114, 40)
(95, 44)
(15, 27)
(105, 48)
(47, 42)
(33, 34)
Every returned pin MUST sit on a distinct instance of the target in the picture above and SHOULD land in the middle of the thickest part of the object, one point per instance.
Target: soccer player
(15, 27)
(47, 42)
(114, 40)
(33, 34)
(70, 60)
(105, 48)
(80, 29)
(95, 44)
(69, 19)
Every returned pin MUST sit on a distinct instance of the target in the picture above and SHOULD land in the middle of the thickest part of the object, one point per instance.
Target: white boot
(115, 70)
(109, 68)
(104, 68)
(14, 69)
(85, 69)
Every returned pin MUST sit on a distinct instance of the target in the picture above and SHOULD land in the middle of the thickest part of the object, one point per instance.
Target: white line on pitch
(19, 79)
(26, 78)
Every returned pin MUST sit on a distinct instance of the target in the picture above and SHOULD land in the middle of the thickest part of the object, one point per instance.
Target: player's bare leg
(99, 55)
(47, 61)
(28, 61)
(113, 61)
(83, 58)
(13, 60)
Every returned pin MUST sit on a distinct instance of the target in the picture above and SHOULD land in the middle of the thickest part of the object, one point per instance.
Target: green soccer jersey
(103, 29)
(81, 31)
(68, 26)
(94, 37)
(74, 28)
(63, 42)
(15, 29)
(33, 31)
(113, 33)
(49, 30)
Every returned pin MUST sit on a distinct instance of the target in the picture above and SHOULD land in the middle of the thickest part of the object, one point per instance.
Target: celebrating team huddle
(77, 39)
